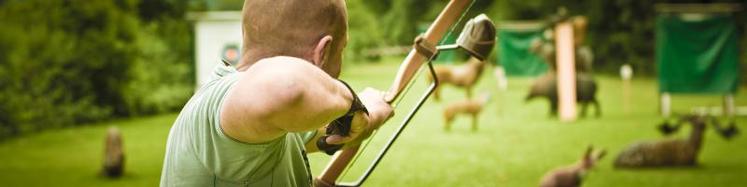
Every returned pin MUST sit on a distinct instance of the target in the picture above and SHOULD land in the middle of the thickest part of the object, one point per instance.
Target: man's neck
(247, 60)
(249, 57)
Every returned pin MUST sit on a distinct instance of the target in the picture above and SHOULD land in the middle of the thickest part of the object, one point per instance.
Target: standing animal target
(586, 90)
(471, 107)
(463, 76)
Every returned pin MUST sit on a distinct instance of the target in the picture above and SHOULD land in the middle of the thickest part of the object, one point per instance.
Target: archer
(253, 125)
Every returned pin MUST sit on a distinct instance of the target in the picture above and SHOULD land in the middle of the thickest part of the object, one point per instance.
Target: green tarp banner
(697, 55)
(514, 55)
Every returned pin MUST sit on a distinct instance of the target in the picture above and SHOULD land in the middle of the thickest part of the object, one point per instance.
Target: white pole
(729, 108)
(500, 76)
(626, 73)
(666, 104)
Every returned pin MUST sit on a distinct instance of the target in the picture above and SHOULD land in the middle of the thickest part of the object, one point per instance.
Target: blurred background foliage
(65, 62)
(619, 31)
(71, 62)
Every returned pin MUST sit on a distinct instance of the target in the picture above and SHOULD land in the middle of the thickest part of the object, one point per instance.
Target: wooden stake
(565, 71)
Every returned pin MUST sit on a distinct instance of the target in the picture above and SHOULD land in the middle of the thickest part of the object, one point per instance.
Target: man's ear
(320, 50)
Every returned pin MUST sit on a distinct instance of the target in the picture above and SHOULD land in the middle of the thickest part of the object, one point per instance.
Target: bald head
(293, 28)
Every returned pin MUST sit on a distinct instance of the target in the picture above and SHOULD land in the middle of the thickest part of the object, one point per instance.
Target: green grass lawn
(516, 144)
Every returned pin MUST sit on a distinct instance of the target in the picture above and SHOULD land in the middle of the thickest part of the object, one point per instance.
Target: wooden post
(566, 71)
(113, 154)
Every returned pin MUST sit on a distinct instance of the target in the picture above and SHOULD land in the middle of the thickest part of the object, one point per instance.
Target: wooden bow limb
(414, 60)
(435, 32)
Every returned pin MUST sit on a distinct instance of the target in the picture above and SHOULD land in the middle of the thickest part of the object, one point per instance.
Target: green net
(514, 55)
(697, 54)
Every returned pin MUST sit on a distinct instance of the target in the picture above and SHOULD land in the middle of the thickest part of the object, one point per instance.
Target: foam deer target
(673, 152)
(572, 175)
(471, 107)
(463, 76)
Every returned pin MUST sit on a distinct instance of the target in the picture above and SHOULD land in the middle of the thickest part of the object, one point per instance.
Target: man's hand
(362, 126)
(378, 109)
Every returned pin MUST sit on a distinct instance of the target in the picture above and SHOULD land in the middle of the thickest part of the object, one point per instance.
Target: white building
(217, 36)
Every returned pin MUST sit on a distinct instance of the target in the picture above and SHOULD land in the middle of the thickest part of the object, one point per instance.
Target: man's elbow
(282, 94)
(296, 94)
(280, 78)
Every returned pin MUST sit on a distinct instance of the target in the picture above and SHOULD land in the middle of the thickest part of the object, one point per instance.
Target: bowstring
(406, 90)
(448, 34)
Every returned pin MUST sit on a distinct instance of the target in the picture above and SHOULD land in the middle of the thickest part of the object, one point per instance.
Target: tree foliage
(67, 62)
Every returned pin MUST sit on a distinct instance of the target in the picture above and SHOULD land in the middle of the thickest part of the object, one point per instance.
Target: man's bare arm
(279, 95)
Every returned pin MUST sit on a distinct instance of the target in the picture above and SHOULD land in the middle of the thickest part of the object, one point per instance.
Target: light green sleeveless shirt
(198, 153)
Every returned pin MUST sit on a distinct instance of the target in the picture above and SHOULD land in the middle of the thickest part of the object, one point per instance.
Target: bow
(423, 51)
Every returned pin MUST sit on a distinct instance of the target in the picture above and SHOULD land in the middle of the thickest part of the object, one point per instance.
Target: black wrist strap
(341, 125)
(329, 149)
